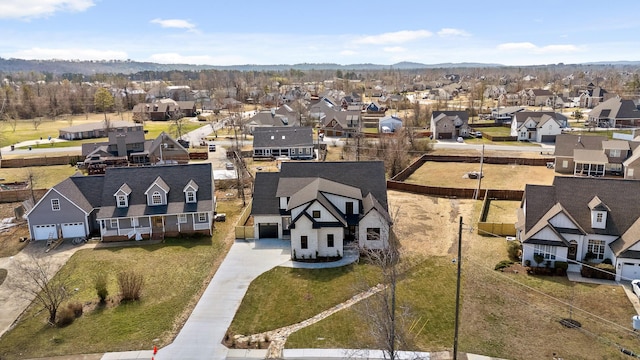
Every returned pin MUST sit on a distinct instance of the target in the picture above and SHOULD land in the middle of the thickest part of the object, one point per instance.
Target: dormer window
(190, 191)
(122, 201)
(599, 212)
(599, 217)
(156, 198)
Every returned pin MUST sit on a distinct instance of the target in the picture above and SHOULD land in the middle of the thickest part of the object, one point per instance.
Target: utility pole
(477, 194)
(239, 164)
(455, 336)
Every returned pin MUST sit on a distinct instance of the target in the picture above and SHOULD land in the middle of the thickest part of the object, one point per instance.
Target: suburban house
(509, 99)
(97, 129)
(596, 156)
(450, 124)
(615, 113)
(293, 142)
(389, 124)
(539, 126)
(131, 148)
(128, 203)
(269, 118)
(323, 208)
(580, 218)
(593, 96)
(504, 115)
(536, 97)
(163, 109)
(342, 123)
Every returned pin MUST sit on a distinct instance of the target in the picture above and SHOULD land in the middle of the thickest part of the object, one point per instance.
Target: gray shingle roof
(83, 191)
(265, 201)
(567, 143)
(576, 193)
(281, 136)
(176, 177)
(615, 108)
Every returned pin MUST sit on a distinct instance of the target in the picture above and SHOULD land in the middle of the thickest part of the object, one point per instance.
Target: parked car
(635, 286)
(477, 134)
(212, 147)
(228, 166)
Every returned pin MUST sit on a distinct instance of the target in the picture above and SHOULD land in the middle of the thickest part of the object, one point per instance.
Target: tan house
(450, 124)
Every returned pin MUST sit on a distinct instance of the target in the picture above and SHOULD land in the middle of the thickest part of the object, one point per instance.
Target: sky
(329, 31)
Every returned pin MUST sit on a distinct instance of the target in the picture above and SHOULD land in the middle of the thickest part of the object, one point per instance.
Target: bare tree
(38, 282)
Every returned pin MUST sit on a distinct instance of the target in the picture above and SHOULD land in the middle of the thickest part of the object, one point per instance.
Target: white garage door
(630, 271)
(41, 232)
(73, 230)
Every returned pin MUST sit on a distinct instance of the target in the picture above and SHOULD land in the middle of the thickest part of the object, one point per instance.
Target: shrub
(514, 250)
(598, 271)
(76, 308)
(527, 262)
(589, 256)
(561, 267)
(65, 317)
(607, 261)
(538, 258)
(503, 264)
(101, 287)
(130, 285)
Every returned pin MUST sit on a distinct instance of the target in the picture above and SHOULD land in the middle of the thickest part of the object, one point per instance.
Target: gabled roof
(522, 116)
(81, 190)
(590, 156)
(597, 204)
(191, 184)
(616, 108)
(567, 143)
(281, 136)
(160, 183)
(628, 239)
(125, 189)
(574, 195)
(342, 117)
(463, 115)
(615, 145)
(270, 118)
(139, 179)
(113, 124)
(265, 201)
(319, 186)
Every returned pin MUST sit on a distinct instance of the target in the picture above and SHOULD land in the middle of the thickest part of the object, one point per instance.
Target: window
(122, 201)
(304, 242)
(565, 163)
(156, 199)
(316, 214)
(114, 223)
(373, 233)
(134, 221)
(614, 153)
(547, 251)
(330, 240)
(599, 217)
(55, 204)
(202, 217)
(349, 206)
(597, 248)
(630, 172)
(182, 218)
(191, 196)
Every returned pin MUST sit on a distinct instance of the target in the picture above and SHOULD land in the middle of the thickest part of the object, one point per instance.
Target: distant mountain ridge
(126, 67)
(130, 67)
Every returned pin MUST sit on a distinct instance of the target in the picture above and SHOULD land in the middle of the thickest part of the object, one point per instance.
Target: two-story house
(615, 113)
(323, 208)
(345, 123)
(293, 142)
(539, 126)
(450, 124)
(582, 155)
(128, 203)
(578, 218)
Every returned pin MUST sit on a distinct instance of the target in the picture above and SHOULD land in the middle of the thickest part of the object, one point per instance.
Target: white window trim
(182, 218)
(202, 217)
(189, 194)
(153, 198)
(55, 204)
(114, 223)
(135, 221)
(125, 201)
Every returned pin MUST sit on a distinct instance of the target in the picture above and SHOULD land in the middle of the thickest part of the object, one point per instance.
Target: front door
(572, 251)
(349, 233)
(157, 222)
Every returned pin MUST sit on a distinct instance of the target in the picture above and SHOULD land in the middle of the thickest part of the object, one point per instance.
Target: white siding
(283, 203)
(562, 221)
(338, 241)
(325, 216)
(547, 234)
(273, 219)
(340, 201)
(598, 225)
(635, 247)
(373, 219)
(303, 227)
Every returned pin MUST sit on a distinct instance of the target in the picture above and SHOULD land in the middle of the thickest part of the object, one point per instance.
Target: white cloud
(69, 54)
(28, 9)
(395, 37)
(394, 49)
(174, 23)
(532, 48)
(348, 52)
(450, 32)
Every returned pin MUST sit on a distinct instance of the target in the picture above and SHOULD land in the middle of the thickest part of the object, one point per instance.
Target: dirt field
(513, 177)
(10, 237)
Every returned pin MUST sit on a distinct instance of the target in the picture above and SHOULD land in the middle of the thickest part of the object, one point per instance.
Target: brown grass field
(502, 177)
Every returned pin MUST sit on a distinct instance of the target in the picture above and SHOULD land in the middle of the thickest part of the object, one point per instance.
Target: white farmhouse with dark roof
(323, 208)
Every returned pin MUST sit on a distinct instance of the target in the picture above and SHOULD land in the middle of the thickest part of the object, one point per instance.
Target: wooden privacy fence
(242, 231)
(497, 229)
(454, 192)
(492, 229)
(9, 196)
(41, 161)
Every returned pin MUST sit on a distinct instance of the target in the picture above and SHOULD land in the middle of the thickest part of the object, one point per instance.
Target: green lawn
(175, 272)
